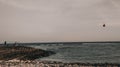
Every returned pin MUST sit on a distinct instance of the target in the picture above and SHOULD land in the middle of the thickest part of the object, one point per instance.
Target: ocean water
(83, 52)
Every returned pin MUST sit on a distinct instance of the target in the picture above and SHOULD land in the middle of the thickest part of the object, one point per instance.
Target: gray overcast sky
(59, 20)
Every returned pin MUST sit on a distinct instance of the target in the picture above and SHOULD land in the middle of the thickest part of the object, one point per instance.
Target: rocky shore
(22, 53)
(53, 64)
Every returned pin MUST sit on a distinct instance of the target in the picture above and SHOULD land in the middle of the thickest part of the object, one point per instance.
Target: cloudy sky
(59, 20)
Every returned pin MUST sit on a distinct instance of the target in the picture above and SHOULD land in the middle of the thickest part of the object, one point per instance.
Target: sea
(82, 52)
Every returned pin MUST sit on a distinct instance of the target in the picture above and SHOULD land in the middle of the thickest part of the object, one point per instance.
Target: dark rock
(22, 53)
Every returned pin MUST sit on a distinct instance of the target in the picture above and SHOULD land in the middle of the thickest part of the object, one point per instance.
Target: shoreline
(53, 64)
(16, 62)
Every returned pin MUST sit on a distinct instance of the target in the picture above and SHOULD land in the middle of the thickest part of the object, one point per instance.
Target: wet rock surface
(22, 53)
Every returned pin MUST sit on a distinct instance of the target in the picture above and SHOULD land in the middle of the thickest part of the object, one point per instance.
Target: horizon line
(63, 42)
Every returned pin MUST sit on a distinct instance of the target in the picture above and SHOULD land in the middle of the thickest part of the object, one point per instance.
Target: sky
(59, 20)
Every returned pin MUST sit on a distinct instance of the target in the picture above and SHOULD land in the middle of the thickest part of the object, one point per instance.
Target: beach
(53, 64)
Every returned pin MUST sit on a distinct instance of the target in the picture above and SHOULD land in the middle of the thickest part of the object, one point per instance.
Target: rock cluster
(22, 53)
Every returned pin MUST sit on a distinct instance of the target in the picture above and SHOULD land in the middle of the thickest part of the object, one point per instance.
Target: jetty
(22, 53)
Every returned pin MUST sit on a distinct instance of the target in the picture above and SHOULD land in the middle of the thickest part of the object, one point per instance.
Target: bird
(104, 25)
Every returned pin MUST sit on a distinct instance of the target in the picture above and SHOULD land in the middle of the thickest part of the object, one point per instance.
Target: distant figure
(104, 25)
(5, 43)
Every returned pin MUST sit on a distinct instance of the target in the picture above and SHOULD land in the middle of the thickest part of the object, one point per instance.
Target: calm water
(86, 52)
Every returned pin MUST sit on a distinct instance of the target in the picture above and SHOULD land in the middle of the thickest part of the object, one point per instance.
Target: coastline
(18, 63)
(15, 62)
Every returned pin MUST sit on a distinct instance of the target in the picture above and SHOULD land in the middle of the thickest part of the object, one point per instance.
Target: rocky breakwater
(22, 53)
